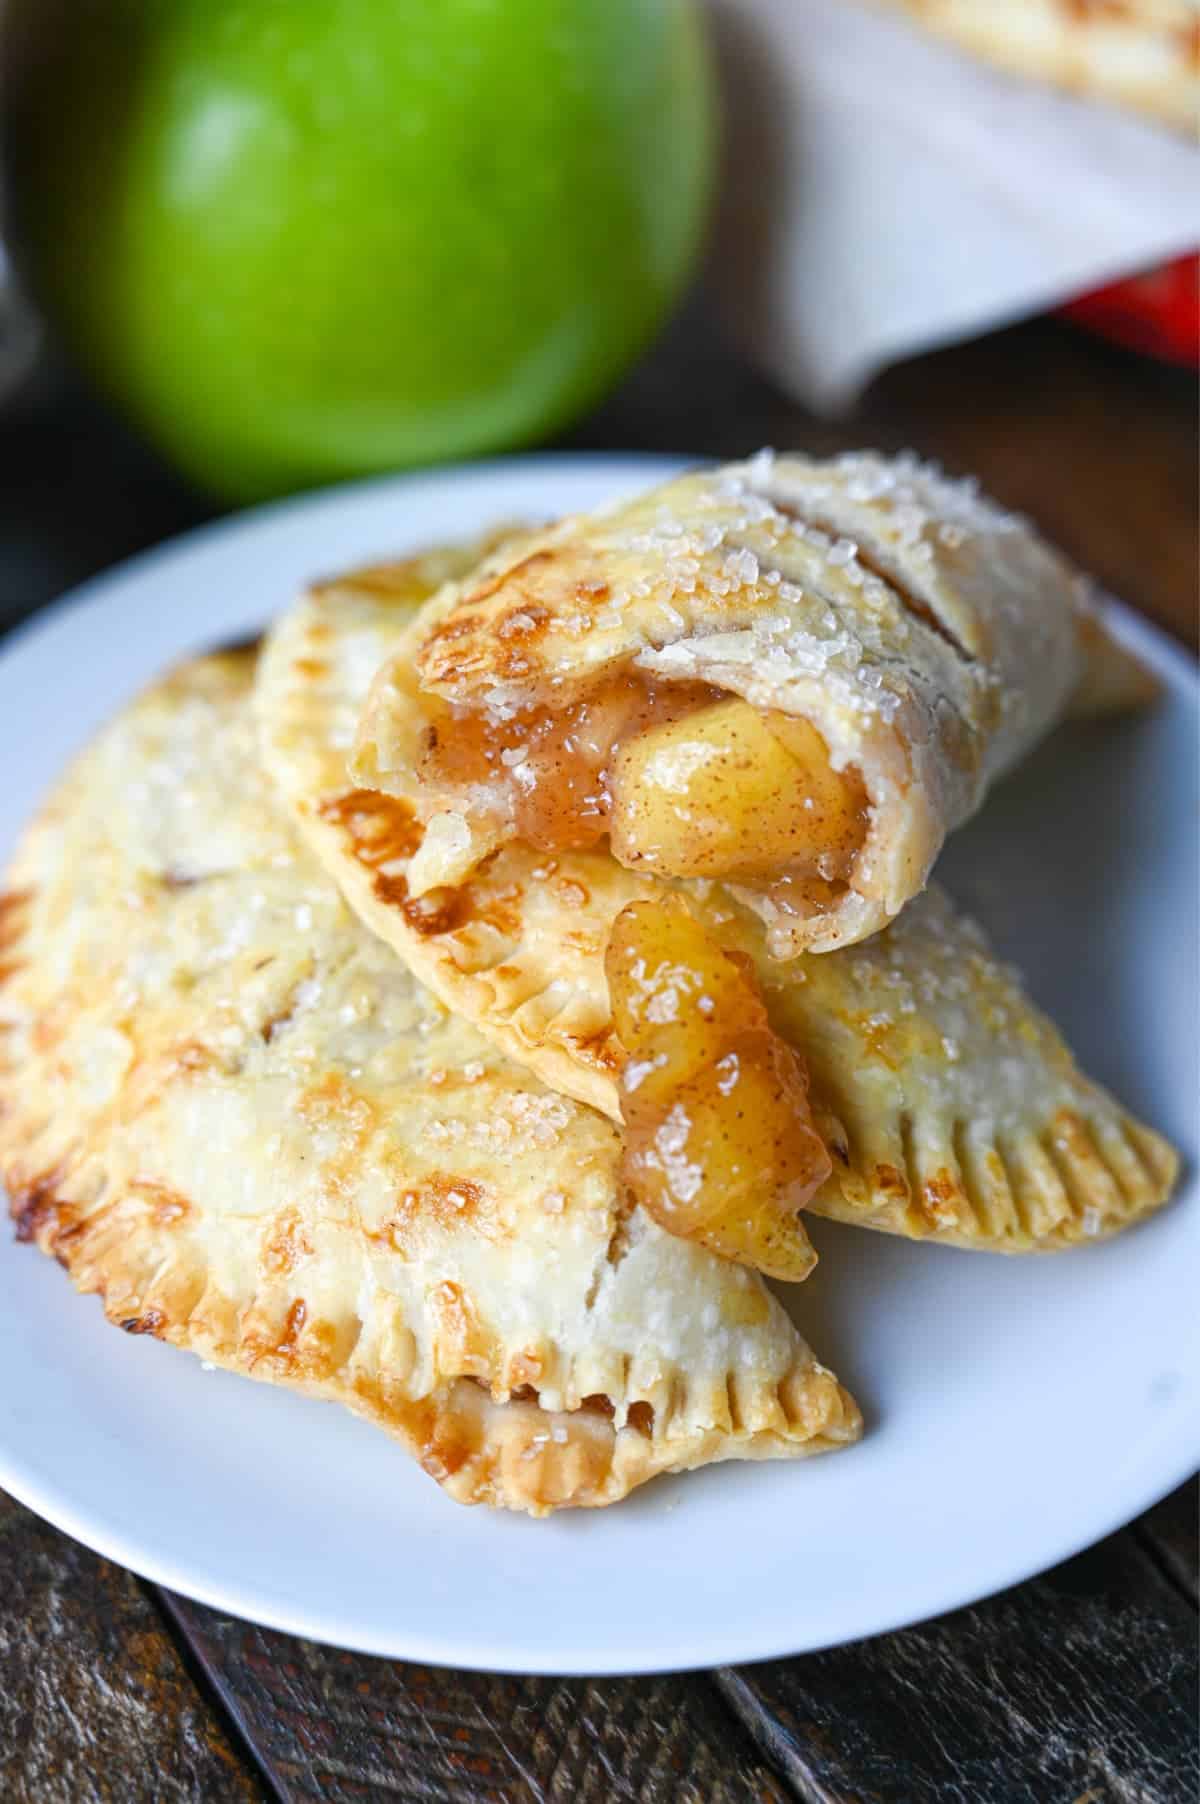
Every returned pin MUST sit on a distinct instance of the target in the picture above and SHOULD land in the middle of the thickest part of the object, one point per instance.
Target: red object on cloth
(1157, 312)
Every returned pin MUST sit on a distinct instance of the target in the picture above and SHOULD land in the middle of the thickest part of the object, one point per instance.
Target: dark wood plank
(1171, 1533)
(1077, 1686)
(342, 1727)
(95, 1701)
(1097, 445)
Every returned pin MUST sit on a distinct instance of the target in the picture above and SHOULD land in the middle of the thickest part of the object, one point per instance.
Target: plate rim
(1151, 1481)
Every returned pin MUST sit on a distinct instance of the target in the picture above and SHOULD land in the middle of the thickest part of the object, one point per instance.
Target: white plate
(1017, 1409)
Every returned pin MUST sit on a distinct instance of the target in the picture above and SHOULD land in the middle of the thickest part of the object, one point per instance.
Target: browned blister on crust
(952, 1108)
(230, 1111)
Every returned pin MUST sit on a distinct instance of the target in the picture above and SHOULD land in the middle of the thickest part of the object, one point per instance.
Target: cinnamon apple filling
(682, 779)
(543, 772)
(720, 1145)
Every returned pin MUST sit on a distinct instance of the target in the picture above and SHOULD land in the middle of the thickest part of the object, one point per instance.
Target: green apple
(298, 240)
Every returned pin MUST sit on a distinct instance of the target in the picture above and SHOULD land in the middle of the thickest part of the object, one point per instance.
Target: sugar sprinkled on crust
(921, 1151)
(265, 1142)
(926, 633)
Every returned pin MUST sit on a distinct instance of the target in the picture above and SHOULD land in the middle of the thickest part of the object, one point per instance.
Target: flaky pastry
(789, 676)
(228, 1108)
(950, 1105)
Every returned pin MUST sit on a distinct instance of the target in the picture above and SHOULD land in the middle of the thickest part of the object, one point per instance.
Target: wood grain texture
(342, 1727)
(95, 1702)
(1079, 1686)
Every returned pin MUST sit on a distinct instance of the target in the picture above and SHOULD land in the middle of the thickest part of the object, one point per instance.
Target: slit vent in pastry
(951, 1106)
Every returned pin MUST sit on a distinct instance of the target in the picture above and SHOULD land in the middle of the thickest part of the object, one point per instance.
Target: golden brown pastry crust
(966, 1121)
(230, 1111)
(952, 1106)
(1139, 53)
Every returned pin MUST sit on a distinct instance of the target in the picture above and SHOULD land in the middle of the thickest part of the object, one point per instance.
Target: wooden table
(1077, 1688)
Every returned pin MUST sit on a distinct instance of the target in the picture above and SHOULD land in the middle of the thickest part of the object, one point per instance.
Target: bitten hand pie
(949, 1106)
(791, 677)
(228, 1109)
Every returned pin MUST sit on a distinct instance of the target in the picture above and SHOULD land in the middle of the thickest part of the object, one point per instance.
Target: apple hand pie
(792, 677)
(946, 1105)
(229, 1109)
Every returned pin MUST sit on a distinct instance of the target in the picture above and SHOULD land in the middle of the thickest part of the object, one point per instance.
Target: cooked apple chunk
(720, 1146)
(734, 791)
(682, 780)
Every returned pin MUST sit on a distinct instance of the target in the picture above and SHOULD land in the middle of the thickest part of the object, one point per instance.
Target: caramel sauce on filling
(720, 1145)
(683, 779)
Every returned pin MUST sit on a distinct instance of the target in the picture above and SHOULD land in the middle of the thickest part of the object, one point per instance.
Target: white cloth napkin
(886, 194)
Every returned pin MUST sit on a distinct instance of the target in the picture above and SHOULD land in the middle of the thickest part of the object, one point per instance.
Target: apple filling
(542, 774)
(682, 779)
(720, 1145)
